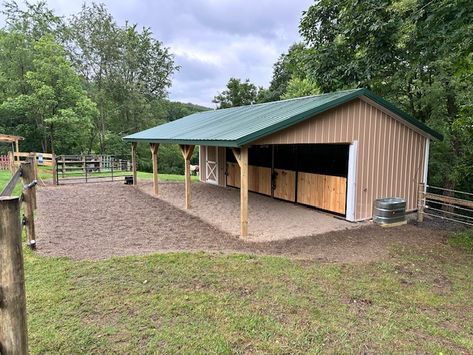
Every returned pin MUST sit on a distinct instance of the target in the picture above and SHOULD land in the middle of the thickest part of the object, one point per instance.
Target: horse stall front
(310, 174)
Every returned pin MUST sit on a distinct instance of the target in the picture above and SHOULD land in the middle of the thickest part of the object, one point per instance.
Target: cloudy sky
(212, 40)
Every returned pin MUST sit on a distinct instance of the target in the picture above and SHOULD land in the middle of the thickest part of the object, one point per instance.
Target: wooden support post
(63, 165)
(13, 329)
(187, 151)
(133, 162)
(54, 166)
(17, 151)
(242, 159)
(420, 202)
(154, 156)
(29, 200)
(34, 176)
(11, 159)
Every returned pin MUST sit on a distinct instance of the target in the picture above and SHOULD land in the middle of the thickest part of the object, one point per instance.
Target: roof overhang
(6, 138)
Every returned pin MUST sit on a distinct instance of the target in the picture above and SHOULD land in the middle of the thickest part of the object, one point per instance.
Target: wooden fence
(87, 168)
(13, 327)
(447, 204)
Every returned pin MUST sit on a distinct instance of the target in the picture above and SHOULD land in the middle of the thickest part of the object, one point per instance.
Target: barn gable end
(390, 153)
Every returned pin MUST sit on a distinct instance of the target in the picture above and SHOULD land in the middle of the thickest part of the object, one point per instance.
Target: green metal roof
(237, 126)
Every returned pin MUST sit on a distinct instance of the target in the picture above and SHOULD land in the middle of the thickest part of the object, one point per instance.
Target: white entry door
(211, 165)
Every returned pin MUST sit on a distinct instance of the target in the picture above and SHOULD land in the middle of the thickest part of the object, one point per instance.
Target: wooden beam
(13, 329)
(236, 153)
(133, 162)
(187, 151)
(243, 191)
(154, 156)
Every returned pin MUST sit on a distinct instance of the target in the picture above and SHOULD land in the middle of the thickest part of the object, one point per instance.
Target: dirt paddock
(96, 221)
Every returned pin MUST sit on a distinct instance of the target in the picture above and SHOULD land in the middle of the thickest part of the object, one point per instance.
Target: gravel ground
(269, 219)
(97, 221)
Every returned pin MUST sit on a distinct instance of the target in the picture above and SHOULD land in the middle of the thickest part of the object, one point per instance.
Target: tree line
(417, 54)
(78, 85)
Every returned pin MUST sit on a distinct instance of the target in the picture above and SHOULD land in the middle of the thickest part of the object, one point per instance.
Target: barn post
(242, 159)
(133, 162)
(154, 156)
(13, 329)
(187, 151)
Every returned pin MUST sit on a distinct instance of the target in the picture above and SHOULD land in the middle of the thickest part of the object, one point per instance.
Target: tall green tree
(54, 100)
(415, 53)
(237, 93)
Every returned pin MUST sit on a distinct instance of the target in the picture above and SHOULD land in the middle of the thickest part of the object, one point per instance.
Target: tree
(54, 100)
(299, 88)
(238, 93)
(290, 65)
(125, 70)
(412, 52)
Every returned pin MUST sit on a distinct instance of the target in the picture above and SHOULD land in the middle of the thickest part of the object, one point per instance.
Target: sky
(212, 40)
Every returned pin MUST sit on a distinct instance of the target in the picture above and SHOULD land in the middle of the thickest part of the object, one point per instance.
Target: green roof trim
(238, 126)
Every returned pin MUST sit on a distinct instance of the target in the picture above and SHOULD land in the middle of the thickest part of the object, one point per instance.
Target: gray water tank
(389, 211)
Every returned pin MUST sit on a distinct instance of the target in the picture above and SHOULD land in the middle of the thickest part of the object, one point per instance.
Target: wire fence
(447, 204)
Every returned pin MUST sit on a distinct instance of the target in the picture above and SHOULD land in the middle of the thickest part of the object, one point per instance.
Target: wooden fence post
(11, 158)
(29, 200)
(420, 202)
(13, 329)
(54, 163)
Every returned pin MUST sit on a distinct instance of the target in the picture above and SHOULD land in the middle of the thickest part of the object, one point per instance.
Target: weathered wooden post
(133, 162)
(187, 151)
(154, 155)
(29, 200)
(13, 329)
(54, 166)
(241, 157)
(11, 160)
(420, 202)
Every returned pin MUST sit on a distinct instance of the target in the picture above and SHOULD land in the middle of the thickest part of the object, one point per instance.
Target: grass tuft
(463, 239)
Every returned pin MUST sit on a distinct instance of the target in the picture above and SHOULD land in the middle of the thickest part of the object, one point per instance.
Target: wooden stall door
(259, 178)
(211, 165)
(285, 185)
(322, 191)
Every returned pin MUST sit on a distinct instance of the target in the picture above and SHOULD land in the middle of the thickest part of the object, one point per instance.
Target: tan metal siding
(390, 154)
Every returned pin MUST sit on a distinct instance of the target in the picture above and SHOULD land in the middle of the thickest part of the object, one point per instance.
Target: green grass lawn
(418, 300)
(45, 174)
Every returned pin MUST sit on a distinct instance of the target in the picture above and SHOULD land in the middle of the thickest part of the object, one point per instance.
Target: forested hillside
(80, 84)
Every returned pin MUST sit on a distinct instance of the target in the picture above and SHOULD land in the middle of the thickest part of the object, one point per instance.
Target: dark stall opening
(310, 174)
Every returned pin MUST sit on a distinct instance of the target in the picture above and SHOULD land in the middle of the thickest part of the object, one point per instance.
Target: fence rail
(447, 204)
(88, 168)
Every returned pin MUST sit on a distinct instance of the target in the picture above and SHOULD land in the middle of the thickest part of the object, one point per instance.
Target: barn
(336, 152)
